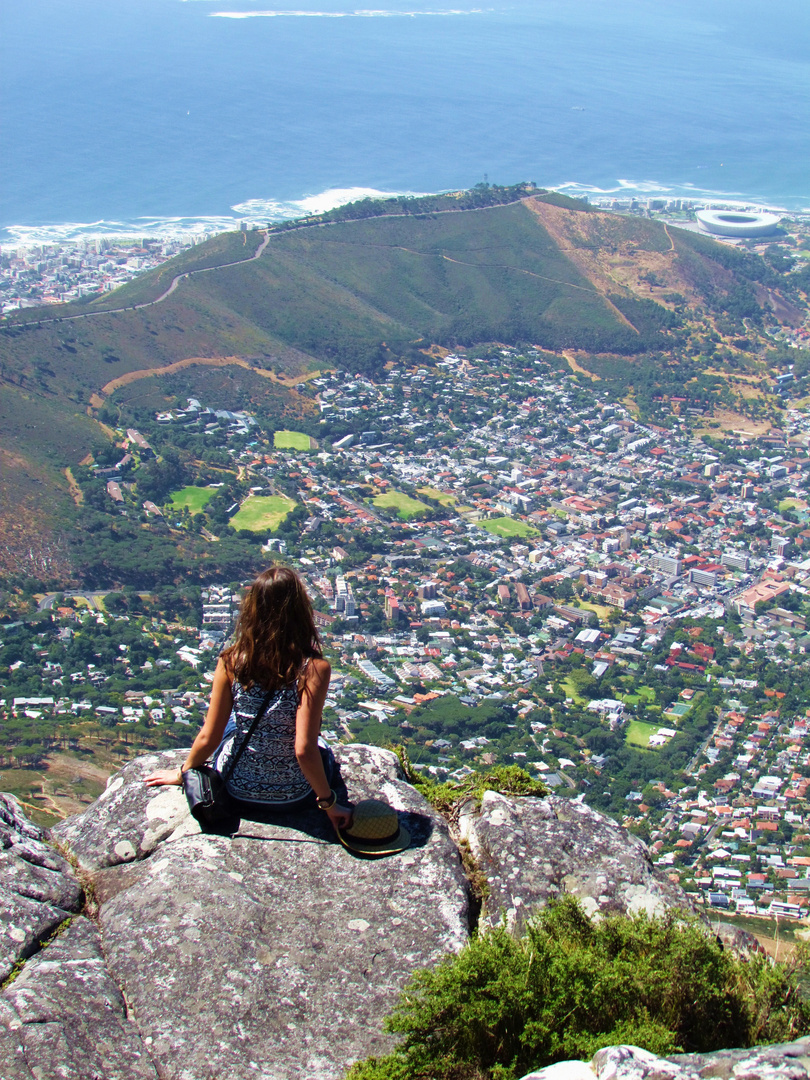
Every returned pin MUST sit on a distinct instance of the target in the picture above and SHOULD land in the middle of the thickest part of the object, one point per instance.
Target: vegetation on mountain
(653, 311)
(449, 797)
(506, 1005)
(220, 250)
(481, 197)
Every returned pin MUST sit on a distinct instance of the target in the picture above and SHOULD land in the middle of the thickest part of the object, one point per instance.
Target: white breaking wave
(254, 211)
(361, 13)
(274, 210)
(654, 189)
(168, 228)
(262, 211)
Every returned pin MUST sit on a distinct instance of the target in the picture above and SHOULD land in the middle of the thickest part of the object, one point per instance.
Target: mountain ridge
(626, 299)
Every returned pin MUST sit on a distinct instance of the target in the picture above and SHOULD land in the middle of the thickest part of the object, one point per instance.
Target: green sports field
(192, 499)
(602, 611)
(262, 513)
(638, 733)
(291, 440)
(571, 691)
(507, 527)
(441, 497)
(405, 506)
(639, 692)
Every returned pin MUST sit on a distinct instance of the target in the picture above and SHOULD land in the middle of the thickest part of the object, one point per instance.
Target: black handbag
(206, 789)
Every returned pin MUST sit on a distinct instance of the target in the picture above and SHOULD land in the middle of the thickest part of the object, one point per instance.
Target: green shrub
(506, 1005)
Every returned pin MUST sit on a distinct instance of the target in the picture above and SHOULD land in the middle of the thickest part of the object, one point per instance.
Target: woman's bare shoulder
(224, 669)
(318, 668)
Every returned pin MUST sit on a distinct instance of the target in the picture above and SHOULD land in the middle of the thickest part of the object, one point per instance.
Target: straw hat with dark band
(375, 829)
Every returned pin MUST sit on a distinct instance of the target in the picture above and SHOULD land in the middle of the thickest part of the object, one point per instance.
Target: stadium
(737, 223)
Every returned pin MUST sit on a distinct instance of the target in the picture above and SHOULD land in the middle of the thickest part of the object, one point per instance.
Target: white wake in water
(361, 13)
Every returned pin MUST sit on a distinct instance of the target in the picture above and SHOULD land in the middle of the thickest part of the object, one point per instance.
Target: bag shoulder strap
(226, 774)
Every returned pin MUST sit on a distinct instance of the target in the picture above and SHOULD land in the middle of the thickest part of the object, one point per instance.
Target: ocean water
(162, 116)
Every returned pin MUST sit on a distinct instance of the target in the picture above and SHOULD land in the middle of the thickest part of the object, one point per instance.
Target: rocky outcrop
(532, 850)
(127, 821)
(790, 1061)
(275, 952)
(271, 953)
(37, 887)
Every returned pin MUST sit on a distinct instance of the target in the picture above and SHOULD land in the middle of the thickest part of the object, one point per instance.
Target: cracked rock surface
(274, 953)
(64, 1017)
(37, 887)
(532, 850)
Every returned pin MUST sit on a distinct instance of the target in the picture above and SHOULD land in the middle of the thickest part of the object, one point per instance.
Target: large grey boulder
(274, 953)
(63, 1017)
(37, 887)
(532, 850)
(788, 1061)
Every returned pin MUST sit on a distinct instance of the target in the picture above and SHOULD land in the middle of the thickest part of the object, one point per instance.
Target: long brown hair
(275, 631)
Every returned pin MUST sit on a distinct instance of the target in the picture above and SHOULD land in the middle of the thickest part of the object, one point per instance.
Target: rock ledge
(274, 953)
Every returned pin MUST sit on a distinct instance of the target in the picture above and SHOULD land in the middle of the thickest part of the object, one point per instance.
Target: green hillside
(331, 293)
(370, 284)
(228, 247)
(359, 292)
(40, 437)
(336, 292)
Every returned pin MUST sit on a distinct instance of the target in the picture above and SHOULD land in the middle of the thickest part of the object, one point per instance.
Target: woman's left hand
(340, 816)
(165, 776)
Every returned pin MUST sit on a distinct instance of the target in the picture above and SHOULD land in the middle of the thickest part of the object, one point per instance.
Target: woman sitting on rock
(277, 651)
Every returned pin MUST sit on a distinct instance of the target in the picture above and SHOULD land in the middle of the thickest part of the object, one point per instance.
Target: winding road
(323, 224)
(92, 598)
(257, 255)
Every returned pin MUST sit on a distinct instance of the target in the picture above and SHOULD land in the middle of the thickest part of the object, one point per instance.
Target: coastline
(260, 211)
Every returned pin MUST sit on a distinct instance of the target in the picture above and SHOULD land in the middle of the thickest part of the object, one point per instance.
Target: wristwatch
(327, 801)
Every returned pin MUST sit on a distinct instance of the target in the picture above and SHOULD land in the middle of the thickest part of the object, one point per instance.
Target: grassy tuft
(19, 965)
(448, 797)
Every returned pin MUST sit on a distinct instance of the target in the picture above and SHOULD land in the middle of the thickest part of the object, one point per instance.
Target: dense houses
(643, 530)
(509, 567)
(56, 273)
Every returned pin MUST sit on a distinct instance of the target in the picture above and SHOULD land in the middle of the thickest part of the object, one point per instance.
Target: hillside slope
(357, 294)
(529, 271)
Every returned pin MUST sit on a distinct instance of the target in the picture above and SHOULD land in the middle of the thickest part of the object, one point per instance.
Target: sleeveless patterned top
(268, 771)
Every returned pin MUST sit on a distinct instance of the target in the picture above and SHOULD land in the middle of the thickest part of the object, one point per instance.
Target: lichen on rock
(128, 820)
(65, 1018)
(788, 1061)
(533, 850)
(274, 951)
